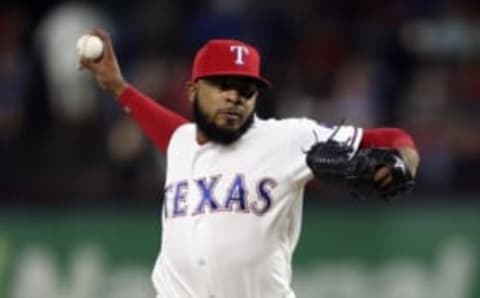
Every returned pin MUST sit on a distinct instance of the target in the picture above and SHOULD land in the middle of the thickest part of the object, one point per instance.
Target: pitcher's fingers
(381, 174)
(107, 42)
(80, 67)
(382, 177)
(85, 63)
(385, 182)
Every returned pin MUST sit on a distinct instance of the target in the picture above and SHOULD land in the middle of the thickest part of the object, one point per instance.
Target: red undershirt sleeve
(386, 137)
(156, 121)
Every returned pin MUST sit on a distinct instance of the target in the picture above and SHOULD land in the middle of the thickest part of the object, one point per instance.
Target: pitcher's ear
(191, 90)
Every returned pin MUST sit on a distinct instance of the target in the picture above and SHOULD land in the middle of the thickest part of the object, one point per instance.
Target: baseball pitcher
(234, 184)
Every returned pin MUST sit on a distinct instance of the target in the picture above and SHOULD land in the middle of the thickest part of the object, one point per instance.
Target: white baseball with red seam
(89, 47)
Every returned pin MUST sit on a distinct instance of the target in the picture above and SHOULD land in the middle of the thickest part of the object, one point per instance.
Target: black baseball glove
(331, 161)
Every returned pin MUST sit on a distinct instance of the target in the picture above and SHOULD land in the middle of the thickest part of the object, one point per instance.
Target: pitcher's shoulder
(187, 129)
(285, 123)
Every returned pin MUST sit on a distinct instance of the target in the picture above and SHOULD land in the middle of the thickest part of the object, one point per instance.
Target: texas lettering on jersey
(235, 198)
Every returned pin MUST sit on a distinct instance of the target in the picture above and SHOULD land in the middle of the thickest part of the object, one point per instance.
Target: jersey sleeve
(306, 132)
(158, 122)
(386, 137)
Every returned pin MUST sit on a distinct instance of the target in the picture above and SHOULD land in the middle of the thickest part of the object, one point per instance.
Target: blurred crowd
(404, 63)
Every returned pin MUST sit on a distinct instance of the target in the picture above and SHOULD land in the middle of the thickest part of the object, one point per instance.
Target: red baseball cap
(228, 57)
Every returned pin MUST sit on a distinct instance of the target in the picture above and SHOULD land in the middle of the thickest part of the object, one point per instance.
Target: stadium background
(79, 184)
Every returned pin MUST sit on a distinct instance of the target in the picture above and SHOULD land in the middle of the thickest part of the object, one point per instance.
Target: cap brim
(262, 82)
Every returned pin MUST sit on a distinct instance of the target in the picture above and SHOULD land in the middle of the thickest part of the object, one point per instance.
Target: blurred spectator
(217, 19)
(13, 71)
(352, 96)
(425, 112)
(126, 145)
(71, 93)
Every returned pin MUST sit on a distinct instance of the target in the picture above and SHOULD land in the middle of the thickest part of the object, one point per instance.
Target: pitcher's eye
(246, 88)
(247, 91)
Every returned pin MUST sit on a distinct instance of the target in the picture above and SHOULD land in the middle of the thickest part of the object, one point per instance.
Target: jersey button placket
(197, 242)
(198, 227)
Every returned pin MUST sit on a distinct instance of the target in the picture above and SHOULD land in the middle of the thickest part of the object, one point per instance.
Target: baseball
(89, 47)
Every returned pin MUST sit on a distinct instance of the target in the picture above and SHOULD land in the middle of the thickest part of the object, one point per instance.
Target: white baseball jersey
(232, 214)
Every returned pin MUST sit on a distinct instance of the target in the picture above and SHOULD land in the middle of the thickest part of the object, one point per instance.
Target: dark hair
(215, 133)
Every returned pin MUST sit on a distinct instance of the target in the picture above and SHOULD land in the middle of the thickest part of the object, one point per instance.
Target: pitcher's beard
(215, 133)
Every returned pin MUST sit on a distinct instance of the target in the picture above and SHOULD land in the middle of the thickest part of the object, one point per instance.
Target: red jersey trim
(386, 137)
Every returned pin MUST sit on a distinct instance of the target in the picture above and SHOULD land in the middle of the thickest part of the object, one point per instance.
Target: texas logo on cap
(221, 57)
